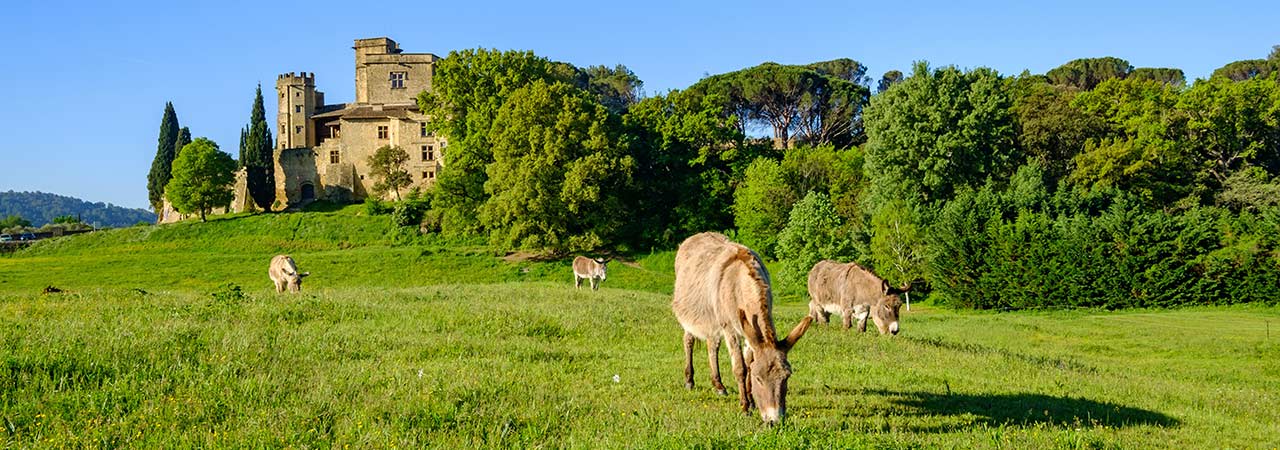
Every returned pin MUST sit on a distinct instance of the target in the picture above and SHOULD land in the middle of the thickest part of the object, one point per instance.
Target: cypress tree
(184, 138)
(162, 165)
(256, 155)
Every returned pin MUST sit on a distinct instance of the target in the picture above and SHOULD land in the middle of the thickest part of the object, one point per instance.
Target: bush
(995, 250)
(812, 234)
(375, 207)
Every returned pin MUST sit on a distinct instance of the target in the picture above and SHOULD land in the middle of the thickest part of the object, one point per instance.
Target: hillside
(41, 208)
(170, 336)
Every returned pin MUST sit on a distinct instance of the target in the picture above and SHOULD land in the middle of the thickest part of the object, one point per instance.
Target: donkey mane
(759, 274)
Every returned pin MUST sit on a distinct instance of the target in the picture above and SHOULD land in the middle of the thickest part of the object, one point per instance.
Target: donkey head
(767, 366)
(295, 281)
(604, 266)
(885, 312)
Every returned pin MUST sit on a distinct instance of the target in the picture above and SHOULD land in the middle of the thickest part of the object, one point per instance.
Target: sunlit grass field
(402, 341)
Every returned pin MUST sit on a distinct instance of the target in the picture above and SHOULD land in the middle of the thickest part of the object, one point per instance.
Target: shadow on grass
(1026, 409)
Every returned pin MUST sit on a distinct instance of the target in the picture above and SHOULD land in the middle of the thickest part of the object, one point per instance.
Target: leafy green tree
(387, 165)
(762, 204)
(938, 130)
(811, 235)
(468, 88)
(1141, 149)
(616, 88)
(1051, 131)
(897, 241)
(256, 155)
(559, 172)
(1172, 77)
(162, 164)
(815, 103)
(688, 156)
(12, 221)
(842, 68)
(66, 219)
(202, 179)
(1232, 125)
(826, 170)
(1249, 189)
(1246, 69)
(887, 80)
(1086, 73)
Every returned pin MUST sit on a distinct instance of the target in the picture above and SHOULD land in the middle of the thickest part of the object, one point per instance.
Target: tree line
(986, 189)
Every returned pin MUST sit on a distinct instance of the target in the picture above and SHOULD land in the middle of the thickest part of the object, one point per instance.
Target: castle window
(383, 132)
(397, 79)
(424, 174)
(431, 174)
(425, 133)
(428, 153)
(297, 109)
(334, 157)
(297, 129)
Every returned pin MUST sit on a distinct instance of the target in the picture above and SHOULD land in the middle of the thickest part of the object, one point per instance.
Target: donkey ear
(304, 274)
(750, 329)
(795, 334)
(884, 285)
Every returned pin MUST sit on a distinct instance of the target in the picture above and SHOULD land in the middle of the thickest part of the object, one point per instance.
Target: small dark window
(297, 109)
(424, 175)
(297, 129)
(397, 79)
(425, 133)
(334, 157)
(383, 132)
(431, 174)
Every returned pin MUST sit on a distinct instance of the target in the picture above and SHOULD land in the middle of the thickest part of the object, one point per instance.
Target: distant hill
(41, 208)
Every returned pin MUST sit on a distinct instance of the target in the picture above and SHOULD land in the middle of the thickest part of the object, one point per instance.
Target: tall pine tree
(256, 155)
(162, 165)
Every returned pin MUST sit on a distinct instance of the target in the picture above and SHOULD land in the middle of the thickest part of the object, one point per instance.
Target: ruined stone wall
(295, 168)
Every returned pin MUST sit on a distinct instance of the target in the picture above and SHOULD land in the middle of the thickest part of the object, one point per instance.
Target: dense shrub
(991, 252)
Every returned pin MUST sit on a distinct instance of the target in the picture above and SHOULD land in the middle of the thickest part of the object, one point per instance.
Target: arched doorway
(308, 192)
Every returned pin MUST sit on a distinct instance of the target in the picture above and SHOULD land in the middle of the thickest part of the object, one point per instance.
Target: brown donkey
(722, 292)
(851, 290)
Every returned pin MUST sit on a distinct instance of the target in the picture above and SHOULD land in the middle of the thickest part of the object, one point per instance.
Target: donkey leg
(713, 356)
(847, 316)
(739, 371)
(577, 282)
(863, 312)
(688, 360)
(595, 284)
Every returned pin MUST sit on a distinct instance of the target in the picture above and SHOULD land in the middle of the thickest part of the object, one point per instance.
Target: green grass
(413, 342)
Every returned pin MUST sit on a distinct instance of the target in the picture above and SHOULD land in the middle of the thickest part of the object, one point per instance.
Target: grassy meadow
(171, 336)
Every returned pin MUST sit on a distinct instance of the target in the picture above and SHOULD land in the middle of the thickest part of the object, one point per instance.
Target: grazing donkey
(284, 273)
(591, 269)
(722, 291)
(852, 290)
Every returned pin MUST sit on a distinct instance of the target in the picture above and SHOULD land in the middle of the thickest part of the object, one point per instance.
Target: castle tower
(298, 102)
(364, 48)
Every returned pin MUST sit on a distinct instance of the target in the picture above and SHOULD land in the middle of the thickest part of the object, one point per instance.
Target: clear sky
(83, 84)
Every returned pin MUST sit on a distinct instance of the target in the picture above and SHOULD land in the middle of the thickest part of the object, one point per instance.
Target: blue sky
(83, 84)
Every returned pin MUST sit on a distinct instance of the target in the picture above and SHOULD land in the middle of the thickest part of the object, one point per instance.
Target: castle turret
(298, 102)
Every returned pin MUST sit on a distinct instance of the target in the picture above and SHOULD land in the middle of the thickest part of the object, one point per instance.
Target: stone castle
(322, 149)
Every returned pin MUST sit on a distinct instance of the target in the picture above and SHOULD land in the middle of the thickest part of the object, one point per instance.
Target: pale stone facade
(322, 149)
